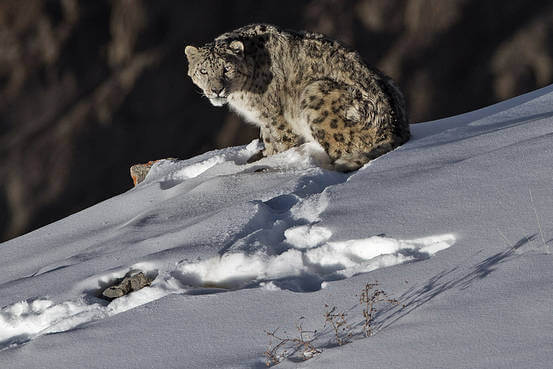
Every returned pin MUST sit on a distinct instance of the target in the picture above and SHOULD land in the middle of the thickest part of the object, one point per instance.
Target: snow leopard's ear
(237, 47)
(191, 52)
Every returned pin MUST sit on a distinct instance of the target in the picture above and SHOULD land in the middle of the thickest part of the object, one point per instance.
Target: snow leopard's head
(218, 69)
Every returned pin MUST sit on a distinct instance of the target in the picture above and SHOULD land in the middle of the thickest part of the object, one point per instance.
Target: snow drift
(445, 223)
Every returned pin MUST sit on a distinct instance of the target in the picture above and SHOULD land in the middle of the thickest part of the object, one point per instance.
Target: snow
(455, 224)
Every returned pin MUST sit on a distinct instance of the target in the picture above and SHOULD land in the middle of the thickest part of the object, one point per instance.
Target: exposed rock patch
(140, 171)
(129, 284)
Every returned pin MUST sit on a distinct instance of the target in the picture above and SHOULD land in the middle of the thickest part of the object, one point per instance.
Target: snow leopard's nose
(217, 91)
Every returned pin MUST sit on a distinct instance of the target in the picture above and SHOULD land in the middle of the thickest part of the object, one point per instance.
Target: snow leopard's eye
(227, 69)
(203, 71)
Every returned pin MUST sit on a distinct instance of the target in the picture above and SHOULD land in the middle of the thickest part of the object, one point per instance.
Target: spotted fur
(299, 87)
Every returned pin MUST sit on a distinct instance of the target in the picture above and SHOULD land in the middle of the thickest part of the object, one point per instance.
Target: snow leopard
(299, 87)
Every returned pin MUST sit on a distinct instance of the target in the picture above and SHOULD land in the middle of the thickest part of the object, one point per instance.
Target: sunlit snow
(445, 223)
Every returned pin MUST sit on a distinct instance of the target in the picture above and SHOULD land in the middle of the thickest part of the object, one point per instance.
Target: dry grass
(371, 300)
(537, 219)
(370, 297)
(302, 344)
(337, 320)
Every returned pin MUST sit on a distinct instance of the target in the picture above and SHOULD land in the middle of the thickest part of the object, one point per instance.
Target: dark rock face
(87, 88)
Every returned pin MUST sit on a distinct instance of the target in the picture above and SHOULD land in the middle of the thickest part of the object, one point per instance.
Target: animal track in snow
(282, 243)
(290, 249)
(330, 261)
(26, 320)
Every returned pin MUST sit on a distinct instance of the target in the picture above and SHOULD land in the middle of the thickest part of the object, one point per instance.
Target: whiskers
(199, 91)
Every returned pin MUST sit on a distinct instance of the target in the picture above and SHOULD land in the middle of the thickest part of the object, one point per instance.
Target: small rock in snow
(127, 285)
(140, 171)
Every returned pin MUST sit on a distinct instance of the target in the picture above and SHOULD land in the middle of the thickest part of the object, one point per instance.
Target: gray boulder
(129, 284)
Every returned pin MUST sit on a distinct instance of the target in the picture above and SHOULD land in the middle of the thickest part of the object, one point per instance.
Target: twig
(369, 301)
(338, 323)
(275, 354)
(537, 217)
(507, 242)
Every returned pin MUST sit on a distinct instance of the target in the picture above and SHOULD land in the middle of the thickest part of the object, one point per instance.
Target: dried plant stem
(507, 242)
(338, 322)
(368, 301)
(537, 217)
(275, 354)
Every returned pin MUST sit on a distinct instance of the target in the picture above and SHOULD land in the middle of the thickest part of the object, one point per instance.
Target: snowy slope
(456, 224)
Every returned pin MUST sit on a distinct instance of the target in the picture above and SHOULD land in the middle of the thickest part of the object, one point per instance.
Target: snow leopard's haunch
(300, 87)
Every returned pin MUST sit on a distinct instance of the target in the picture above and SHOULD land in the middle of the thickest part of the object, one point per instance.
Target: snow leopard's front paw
(255, 157)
